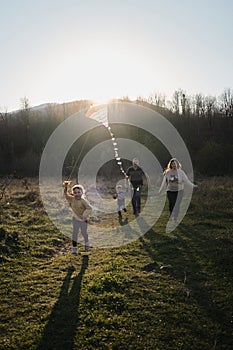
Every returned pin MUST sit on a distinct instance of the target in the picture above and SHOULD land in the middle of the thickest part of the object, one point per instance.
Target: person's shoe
(74, 250)
(119, 215)
(87, 245)
(125, 210)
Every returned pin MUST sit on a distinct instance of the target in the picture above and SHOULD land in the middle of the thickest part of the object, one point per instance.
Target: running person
(81, 210)
(135, 175)
(174, 179)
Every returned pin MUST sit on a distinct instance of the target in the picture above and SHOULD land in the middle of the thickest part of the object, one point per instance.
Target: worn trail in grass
(163, 291)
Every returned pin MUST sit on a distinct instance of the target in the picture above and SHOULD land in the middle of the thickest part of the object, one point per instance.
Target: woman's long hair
(169, 165)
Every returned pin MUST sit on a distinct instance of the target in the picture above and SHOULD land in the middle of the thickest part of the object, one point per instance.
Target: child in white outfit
(120, 196)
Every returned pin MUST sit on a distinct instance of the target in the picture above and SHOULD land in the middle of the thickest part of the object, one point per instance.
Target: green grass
(161, 292)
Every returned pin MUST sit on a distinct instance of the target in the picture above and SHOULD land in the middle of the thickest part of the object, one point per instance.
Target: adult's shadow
(184, 260)
(59, 333)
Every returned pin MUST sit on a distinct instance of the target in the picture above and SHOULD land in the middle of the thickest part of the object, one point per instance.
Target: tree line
(204, 122)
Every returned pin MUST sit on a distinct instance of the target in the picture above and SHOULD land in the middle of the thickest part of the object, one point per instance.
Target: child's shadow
(59, 332)
(123, 222)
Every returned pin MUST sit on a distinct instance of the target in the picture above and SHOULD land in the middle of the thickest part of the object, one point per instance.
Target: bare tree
(157, 99)
(226, 103)
(176, 102)
(199, 105)
(183, 103)
(25, 112)
(25, 104)
(179, 102)
(210, 108)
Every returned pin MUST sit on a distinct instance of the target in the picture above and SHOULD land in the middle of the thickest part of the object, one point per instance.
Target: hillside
(161, 292)
(23, 136)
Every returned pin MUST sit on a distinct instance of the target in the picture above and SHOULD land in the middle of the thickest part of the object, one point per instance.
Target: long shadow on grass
(205, 250)
(187, 256)
(60, 330)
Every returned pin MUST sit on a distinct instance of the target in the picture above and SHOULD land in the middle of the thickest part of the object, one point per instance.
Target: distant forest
(204, 122)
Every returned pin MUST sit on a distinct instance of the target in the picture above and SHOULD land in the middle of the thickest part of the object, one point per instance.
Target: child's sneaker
(87, 245)
(74, 250)
(119, 215)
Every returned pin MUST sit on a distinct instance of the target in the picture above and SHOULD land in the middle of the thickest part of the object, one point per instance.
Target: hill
(163, 291)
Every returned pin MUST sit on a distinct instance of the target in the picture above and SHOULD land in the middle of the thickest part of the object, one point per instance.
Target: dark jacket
(135, 175)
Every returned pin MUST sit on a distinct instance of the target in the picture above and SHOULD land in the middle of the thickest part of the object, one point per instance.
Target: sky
(55, 51)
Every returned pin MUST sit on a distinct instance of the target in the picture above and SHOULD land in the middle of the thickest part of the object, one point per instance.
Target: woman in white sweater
(174, 179)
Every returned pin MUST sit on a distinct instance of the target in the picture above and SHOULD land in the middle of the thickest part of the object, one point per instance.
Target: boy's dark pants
(136, 199)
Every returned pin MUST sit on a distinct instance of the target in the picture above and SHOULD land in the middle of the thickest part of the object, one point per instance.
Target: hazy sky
(64, 50)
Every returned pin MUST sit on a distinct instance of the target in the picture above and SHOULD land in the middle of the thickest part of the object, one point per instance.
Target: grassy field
(161, 292)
